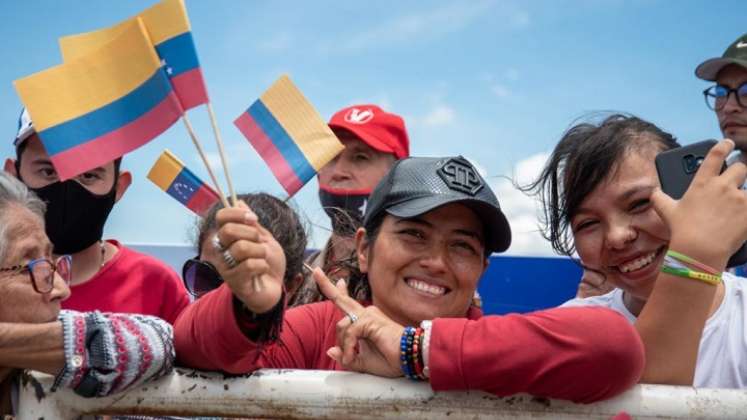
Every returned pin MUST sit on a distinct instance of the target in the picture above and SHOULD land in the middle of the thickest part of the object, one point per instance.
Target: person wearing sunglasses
(728, 97)
(199, 273)
(93, 353)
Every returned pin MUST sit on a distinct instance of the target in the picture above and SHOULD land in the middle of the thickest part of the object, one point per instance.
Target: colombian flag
(288, 134)
(170, 174)
(98, 107)
(168, 26)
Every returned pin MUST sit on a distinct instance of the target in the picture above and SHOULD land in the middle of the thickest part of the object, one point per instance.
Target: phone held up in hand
(677, 168)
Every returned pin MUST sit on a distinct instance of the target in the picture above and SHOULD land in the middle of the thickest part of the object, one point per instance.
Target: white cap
(25, 127)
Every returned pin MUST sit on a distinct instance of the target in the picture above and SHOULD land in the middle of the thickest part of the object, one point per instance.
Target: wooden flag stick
(221, 151)
(256, 281)
(204, 160)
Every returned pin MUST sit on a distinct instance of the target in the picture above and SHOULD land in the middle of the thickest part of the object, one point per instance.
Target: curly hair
(274, 215)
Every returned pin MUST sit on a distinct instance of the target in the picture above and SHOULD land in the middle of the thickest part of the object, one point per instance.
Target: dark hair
(586, 155)
(275, 216)
(357, 282)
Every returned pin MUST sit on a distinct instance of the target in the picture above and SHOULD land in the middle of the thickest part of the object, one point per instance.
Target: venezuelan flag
(168, 26)
(170, 174)
(98, 107)
(288, 133)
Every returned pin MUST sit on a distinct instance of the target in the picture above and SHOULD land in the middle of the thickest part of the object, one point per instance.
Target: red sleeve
(176, 297)
(207, 336)
(578, 354)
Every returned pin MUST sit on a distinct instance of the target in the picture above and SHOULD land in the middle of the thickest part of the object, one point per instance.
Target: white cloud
(520, 19)
(237, 154)
(426, 24)
(383, 100)
(277, 43)
(439, 116)
(522, 210)
(512, 74)
(501, 91)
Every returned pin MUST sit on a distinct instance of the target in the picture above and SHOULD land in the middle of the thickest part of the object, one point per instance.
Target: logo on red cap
(358, 116)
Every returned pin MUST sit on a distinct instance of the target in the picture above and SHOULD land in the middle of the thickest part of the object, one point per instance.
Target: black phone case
(676, 169)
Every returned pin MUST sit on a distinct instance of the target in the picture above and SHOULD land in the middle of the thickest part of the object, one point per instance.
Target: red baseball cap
(377, 128)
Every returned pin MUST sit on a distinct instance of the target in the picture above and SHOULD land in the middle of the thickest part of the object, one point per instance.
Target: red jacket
(580, 354)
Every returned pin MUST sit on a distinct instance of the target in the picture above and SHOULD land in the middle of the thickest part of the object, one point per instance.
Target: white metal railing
(326, 394)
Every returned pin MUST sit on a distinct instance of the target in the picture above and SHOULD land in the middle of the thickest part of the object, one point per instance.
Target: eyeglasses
(42, 272)
(716, 96)
(200, 277)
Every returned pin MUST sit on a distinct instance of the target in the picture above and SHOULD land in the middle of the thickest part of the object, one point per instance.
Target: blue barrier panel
(525, 284)
(511, 284)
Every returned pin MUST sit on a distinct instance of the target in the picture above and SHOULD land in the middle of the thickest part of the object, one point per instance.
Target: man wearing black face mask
(374, 139)
(106, 275)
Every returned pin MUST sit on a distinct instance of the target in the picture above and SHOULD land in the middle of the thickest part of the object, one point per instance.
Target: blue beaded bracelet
(405, 353)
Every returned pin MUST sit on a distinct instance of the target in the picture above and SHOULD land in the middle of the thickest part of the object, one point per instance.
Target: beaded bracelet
(410, 356)
(404, 344)
(417, 351)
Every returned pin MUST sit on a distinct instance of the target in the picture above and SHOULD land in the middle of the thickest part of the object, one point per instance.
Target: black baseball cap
(418, 185)
(735, 54)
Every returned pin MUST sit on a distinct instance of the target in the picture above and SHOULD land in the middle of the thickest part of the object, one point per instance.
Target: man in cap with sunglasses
(106, 275)
(93, 353)
(728, 97)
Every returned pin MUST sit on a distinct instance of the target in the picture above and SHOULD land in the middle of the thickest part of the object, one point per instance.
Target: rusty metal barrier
(307, 394)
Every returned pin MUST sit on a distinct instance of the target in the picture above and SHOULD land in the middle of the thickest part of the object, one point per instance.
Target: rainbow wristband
(692, 274)
(695, 263)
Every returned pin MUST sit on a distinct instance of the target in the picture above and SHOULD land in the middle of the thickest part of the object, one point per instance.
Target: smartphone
(677, 168)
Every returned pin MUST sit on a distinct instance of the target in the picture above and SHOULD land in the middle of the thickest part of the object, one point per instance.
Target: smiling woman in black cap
(429, 228)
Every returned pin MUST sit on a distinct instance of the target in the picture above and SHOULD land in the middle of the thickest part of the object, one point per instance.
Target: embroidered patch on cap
(459, 175)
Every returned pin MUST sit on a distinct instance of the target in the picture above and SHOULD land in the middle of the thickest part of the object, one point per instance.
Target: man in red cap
(374, 139)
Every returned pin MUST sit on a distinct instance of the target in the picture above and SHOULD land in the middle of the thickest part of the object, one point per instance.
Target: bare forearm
(32, 346)
(671, 323)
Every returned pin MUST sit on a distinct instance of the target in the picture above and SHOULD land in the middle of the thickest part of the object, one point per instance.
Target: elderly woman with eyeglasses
(95, 354)
(430, 226)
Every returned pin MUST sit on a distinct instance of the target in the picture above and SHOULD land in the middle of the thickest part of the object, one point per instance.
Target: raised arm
(223, 329)
(708, 224)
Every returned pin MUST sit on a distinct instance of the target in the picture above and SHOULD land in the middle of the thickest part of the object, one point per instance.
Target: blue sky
(496, 81)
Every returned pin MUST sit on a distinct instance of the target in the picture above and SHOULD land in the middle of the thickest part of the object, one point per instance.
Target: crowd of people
(393, 291)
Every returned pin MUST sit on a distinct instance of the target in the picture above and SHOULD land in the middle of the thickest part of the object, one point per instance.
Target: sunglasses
(200, 277)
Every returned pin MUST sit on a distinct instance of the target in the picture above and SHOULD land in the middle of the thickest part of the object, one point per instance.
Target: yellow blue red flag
(168, 26)
(288, 133)
(94, 109)
(170, 175)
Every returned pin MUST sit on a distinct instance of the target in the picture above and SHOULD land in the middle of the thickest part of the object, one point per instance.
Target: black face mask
(75, 217)
(345, 208)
